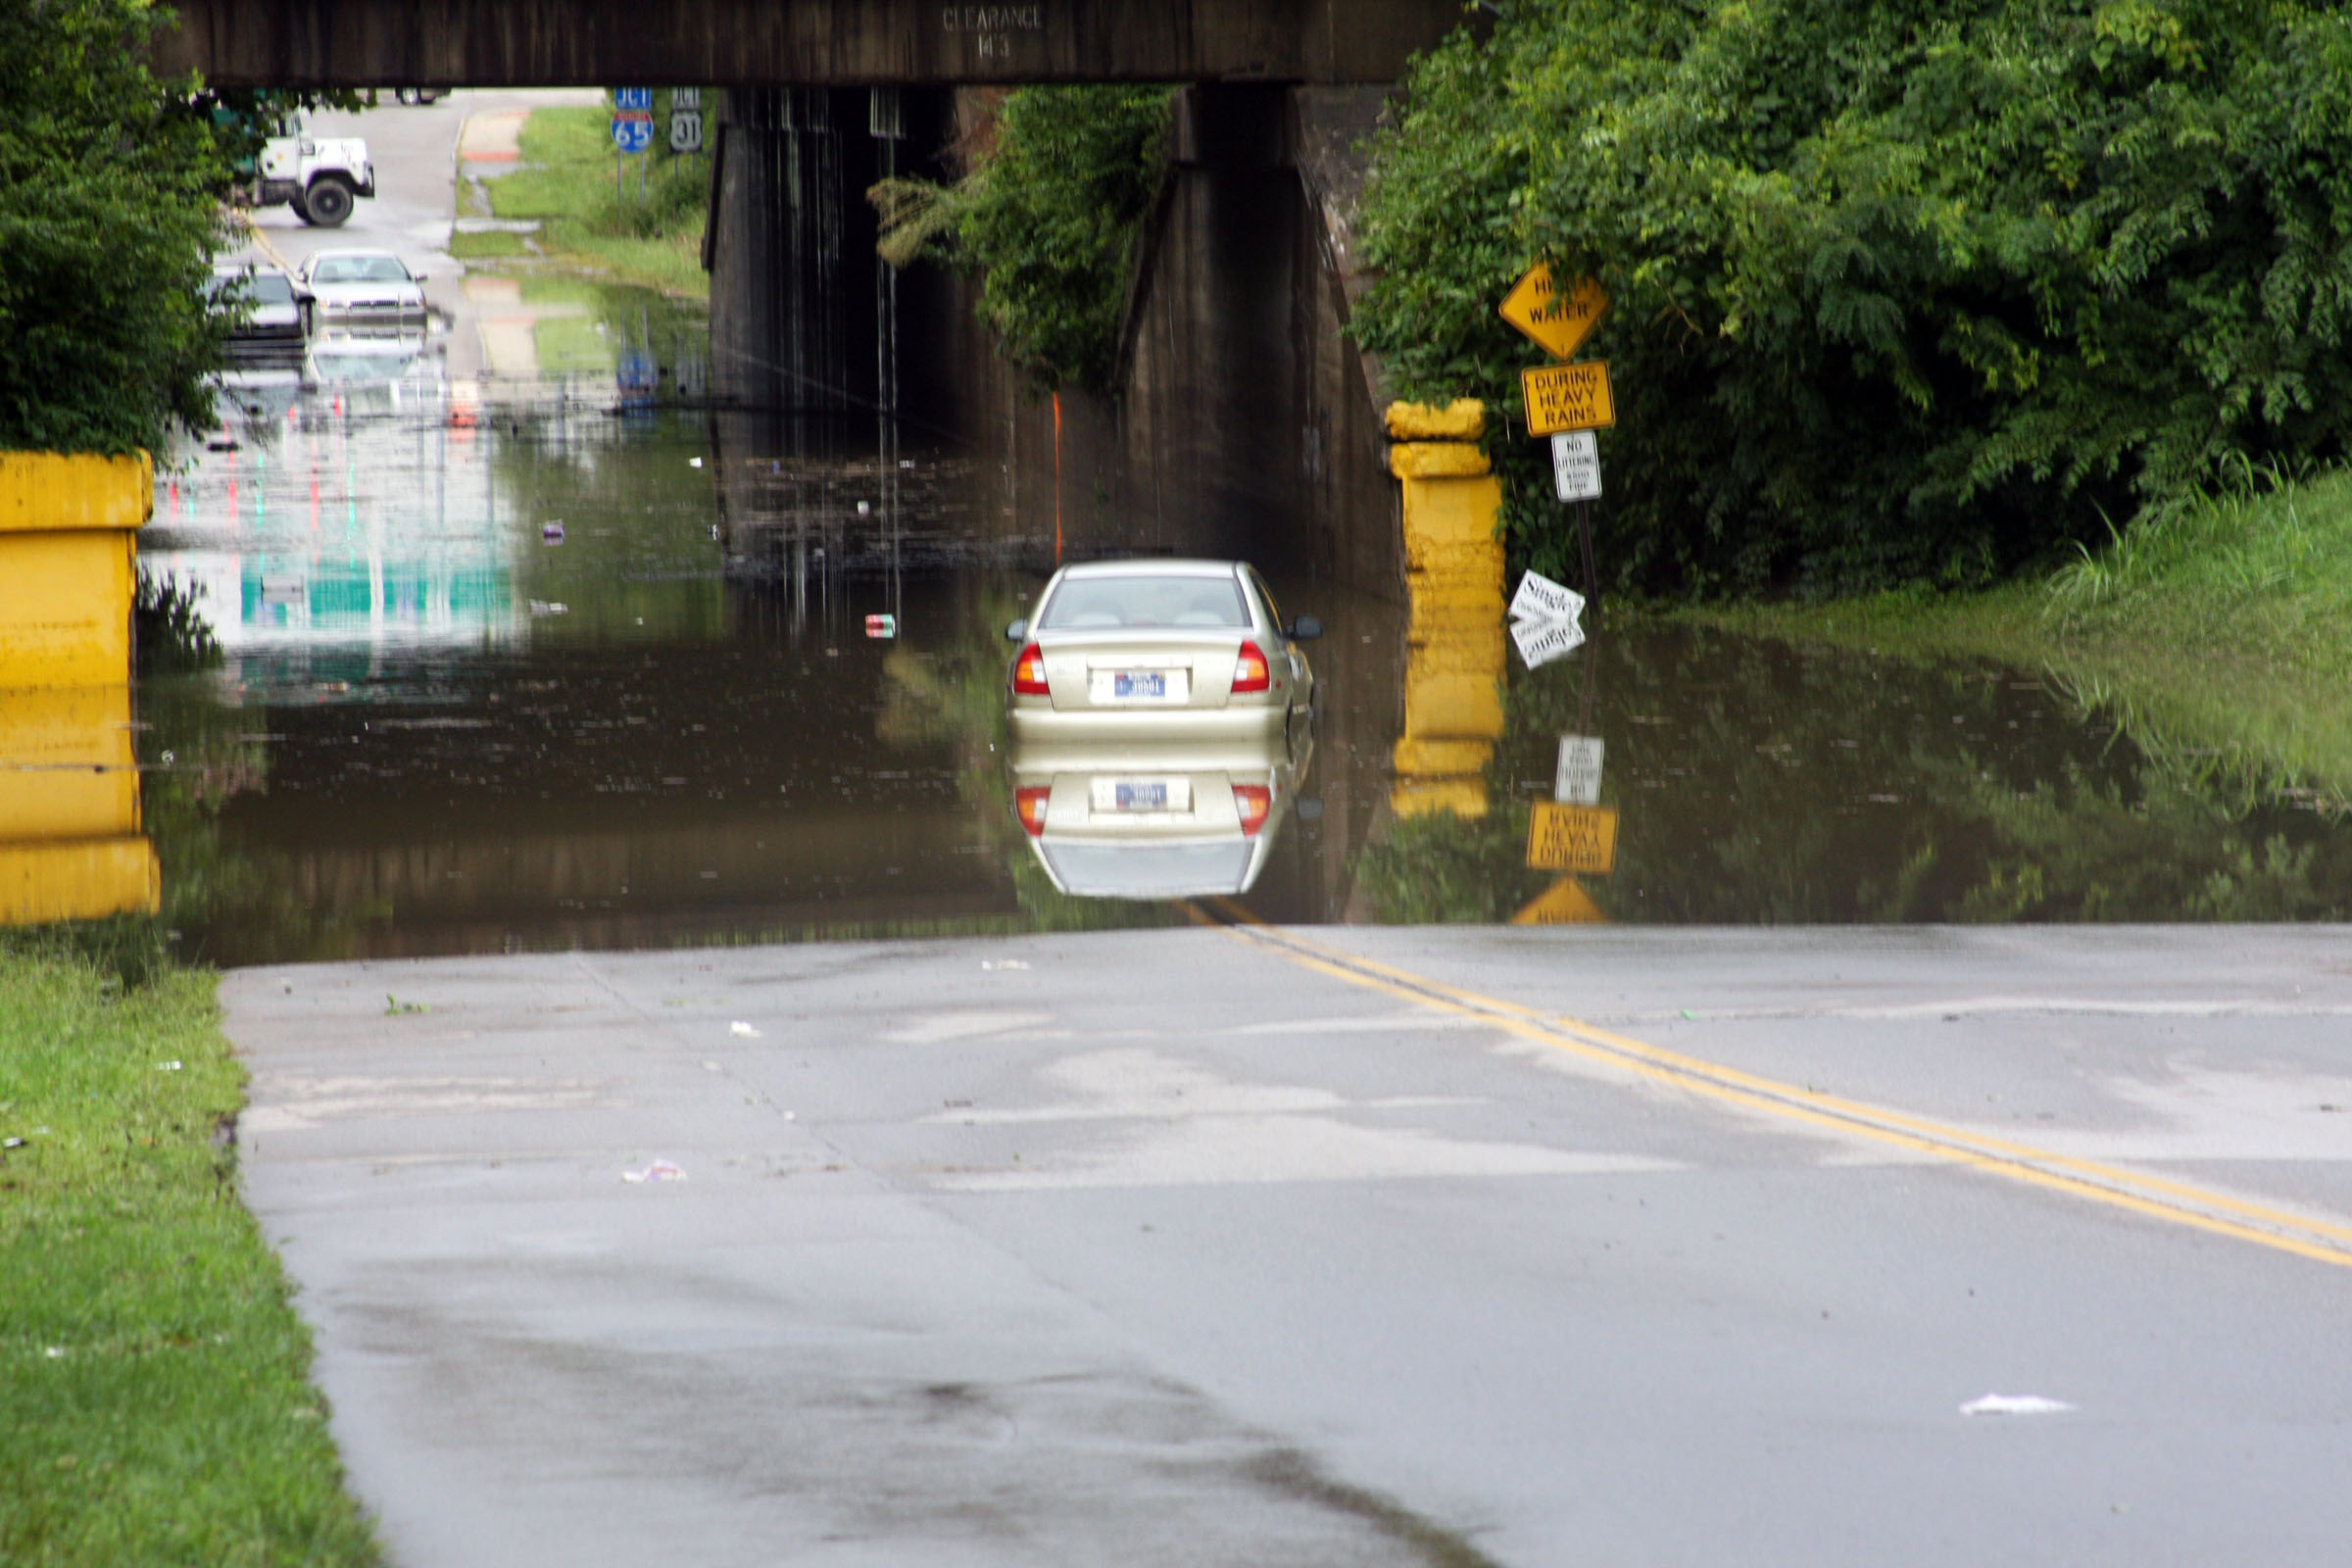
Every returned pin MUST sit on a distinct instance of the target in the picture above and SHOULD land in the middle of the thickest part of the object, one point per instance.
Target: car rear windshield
(262, 288)
(360, 270)
(1083, 603)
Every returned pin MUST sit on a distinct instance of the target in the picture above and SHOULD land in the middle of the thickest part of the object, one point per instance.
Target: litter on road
(2014, 1404)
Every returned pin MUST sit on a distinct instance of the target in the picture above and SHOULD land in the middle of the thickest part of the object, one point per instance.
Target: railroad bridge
(802, 43)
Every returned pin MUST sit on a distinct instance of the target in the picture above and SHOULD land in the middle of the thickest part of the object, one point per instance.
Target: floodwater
(491, 682)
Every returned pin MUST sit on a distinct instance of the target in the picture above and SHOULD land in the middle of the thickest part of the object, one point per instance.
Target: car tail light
(1031, 802)
(1251, 802)
(1029, 675)
(1250, 672)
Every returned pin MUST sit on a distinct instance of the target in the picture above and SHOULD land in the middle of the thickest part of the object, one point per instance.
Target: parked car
(277, 310)
(417, 96)
(1171, 649)
(363, 289)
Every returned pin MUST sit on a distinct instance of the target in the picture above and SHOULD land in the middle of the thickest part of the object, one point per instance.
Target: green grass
(494, 243)
(565, 180)
(2220, 632)
(155, 1401)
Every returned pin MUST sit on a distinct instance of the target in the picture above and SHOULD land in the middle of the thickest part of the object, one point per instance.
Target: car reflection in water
(1161, 718)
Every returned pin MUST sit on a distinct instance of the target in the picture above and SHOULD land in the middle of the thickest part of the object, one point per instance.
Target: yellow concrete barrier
(69, 548)
(70, 842)
(1454, 574)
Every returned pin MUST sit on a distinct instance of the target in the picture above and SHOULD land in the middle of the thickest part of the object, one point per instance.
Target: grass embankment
(2221, 632)
(155, 1402)
(565, 183)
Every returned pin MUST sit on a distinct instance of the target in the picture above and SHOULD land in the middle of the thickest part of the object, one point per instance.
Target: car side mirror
(1305, 630)
(1016, 632)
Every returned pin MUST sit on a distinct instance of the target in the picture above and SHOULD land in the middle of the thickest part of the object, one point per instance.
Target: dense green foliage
(1902, 291)
(1050, 216)
(155, 1401)
(109, 219)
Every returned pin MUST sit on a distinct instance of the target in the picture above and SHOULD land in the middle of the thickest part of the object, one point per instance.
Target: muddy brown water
(490, 684)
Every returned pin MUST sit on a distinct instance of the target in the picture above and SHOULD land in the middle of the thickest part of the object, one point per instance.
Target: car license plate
(1118, 795)
(1148, 686)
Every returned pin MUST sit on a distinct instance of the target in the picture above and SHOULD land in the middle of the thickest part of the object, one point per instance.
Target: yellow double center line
(2138, 1192)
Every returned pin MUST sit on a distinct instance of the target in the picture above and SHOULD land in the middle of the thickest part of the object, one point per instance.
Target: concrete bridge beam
(811, 43)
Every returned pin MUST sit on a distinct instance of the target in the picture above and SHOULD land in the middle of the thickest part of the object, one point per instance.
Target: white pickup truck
(320, 177)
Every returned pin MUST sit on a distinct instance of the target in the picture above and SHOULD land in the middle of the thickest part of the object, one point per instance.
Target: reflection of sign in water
(1564, 903)
(1575, 465)
(1568, 397)
(1557, 323)
(638, 376)
(1578, 780)
(1543, 641)
(1571, 838)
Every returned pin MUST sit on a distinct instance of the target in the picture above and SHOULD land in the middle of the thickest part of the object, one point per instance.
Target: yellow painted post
(68, 551)
(70, 842)
(1454, 574)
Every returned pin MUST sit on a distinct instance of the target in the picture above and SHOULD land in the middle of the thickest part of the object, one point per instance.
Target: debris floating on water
(739, 1027)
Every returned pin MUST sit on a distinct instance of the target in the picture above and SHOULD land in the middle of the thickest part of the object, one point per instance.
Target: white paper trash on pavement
(2015, 1404)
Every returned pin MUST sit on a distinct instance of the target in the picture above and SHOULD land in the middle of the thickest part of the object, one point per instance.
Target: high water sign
(1557, 322)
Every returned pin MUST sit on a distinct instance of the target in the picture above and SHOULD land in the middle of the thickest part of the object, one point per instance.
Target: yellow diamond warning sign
(1572, 838)
(1568, 397)
(1559, 323)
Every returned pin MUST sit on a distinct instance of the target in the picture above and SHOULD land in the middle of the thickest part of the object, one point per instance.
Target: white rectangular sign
(1578, 781)
(1543, 641)
(1575, 465)
(1541, 599)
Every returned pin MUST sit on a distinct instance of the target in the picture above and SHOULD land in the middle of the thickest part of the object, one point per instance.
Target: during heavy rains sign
(1557, 322)
(1568, 397)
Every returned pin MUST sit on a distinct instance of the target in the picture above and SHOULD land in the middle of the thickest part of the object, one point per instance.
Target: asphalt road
(1205, 1247)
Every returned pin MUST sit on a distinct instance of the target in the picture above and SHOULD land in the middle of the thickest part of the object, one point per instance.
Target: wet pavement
(551, 655)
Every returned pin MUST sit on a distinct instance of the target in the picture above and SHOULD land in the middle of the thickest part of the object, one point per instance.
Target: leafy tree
(1050, 216)
(1902, 291)
(110, 215)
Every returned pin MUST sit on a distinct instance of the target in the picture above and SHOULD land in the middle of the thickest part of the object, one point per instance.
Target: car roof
(338, 255)
(1152, 566)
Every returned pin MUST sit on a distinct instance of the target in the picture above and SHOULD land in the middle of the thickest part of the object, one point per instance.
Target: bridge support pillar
(70, 842)
(1454, 575)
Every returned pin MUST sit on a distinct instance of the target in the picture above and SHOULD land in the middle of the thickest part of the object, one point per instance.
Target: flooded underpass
(565, 660)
